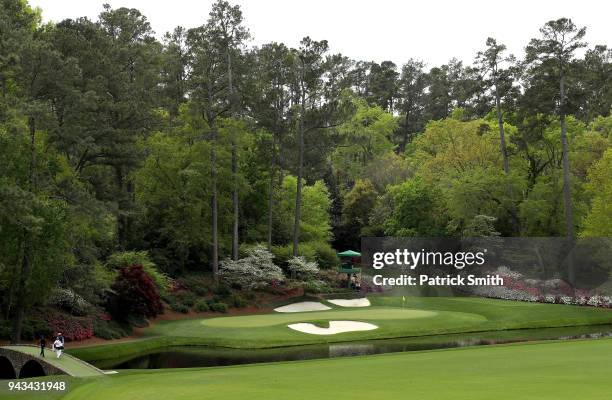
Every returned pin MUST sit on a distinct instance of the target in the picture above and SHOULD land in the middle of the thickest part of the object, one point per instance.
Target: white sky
(429, 30)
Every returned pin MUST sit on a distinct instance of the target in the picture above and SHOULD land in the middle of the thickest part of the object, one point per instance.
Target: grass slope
(418, 316)
(555, 371)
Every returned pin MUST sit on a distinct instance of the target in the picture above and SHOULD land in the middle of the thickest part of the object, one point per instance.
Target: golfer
(58, 346)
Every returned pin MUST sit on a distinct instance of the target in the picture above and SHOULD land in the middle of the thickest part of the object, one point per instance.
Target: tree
(412, 84)
(270, 104)
(415, 211)
(357, 206)
(382, 85)
(489, 62)
(597, 222)
(595, 75)
(554, 52)
(315, 224)
(174, 69)
(364, 137)
(227, 31)
(207, 83)
(308, 87)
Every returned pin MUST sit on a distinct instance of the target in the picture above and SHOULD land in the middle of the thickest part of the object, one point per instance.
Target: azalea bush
(254, 271)
(554, 291)
(72, 328)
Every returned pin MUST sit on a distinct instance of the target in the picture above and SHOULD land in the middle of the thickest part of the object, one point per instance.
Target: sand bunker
(302, 307)
(334, 327)
(351, 303)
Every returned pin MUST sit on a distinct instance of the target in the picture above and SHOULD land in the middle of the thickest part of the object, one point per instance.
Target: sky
(429, 30)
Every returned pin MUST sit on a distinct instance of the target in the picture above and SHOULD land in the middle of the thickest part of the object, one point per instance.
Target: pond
(198, 356)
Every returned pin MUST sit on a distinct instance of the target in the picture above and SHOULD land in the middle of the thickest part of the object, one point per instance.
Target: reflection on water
(196, 356)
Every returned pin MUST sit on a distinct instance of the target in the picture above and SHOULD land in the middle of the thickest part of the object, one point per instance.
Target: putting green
(252, 321)
(415, 316)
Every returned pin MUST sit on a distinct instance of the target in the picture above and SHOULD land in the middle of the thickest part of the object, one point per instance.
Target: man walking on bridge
(43, 343)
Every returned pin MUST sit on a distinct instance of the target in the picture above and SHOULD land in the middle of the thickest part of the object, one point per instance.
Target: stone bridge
(24, 361)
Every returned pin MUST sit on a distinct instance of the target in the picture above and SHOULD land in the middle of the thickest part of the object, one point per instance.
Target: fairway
(558, 370)
(416, 316)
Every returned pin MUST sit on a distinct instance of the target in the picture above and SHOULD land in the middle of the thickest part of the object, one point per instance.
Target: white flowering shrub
(69, 301)
(301, 268)
(254, 271)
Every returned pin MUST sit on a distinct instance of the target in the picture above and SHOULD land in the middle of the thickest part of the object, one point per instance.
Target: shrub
(302, 269)
(127, 258)
(136, 293)
(238, 301)
(73, 328)
(255, 270)
(222, 290)
(110, 329)
(325, 255)
(316, 286)
(69, 301)
(186, 297)
(284, 253)
(179, 307)
(196, 283)
(218, 307)
(201, 306)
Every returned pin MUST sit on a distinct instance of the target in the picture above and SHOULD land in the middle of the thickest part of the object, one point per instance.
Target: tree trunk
(271, 192)
(298, 193)
(402, 146)
(235, 205)
(567, 190)
(26, 259)
(502, 136)
(213, 201)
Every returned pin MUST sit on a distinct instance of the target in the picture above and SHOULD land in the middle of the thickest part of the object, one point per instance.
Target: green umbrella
(349, 253)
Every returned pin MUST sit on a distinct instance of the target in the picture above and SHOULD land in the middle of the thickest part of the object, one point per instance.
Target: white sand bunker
(302, 307)
(334, 327)
(364, 302)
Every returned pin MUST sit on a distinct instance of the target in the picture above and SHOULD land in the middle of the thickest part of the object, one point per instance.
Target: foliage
(73, 328)
(256, 270)
(302, 269)
(366, 136)
(69, 301)
(415, 211)
(201, 305)
(136, 293)
(315, 223)
(597, 221)
(116, 261)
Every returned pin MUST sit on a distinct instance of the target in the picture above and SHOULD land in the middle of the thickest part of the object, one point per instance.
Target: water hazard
(198, 356)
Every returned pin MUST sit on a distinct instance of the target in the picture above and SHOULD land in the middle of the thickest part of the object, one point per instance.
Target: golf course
(393, 316)
(551, 369)
(554, 370)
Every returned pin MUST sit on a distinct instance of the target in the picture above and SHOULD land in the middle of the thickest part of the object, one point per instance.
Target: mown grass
(417, 316)
(555, 370)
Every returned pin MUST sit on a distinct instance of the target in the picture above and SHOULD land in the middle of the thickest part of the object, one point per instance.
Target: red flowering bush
(73, 328)
(136, 293)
